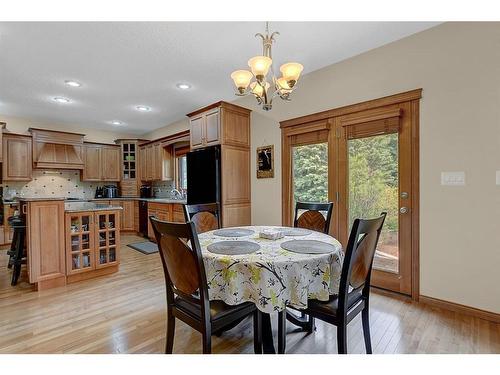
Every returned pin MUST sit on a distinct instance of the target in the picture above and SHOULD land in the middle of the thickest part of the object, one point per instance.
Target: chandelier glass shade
(256, 82)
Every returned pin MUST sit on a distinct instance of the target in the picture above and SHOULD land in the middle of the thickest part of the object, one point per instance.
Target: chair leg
(15, 274)
(342, 338)
(207, 341)
(311, 326)
(366, 330)
(281, 332)
(257, 331)
(169, 347)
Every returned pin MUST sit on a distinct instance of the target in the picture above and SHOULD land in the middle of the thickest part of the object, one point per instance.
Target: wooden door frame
(326, 120)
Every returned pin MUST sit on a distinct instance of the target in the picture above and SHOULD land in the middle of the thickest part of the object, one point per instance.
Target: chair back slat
(182, 263)
(205, 221)
(316, 216)
(359, 255)
(204, 216)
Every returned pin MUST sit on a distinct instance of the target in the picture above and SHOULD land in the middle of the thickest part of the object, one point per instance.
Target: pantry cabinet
(205, 129)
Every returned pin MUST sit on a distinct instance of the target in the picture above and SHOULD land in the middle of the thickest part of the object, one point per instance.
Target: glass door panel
(373, 188)
(310, 173)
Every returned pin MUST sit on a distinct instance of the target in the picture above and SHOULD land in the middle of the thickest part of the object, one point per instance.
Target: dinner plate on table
(234, 232)
(233, 247)
(308, 247)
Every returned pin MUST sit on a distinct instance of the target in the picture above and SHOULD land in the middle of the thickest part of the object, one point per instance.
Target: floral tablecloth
(272, 277)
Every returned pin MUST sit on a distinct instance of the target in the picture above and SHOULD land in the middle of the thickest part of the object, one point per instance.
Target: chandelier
(260, 66)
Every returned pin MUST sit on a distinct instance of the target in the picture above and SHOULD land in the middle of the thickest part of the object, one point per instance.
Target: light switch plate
(453, 178)
(498, 177)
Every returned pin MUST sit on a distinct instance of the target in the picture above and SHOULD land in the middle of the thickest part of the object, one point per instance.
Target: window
(181, 168)
(310, 172)
(182, 172)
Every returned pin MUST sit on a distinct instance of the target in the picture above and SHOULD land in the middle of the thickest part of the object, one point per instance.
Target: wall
(173, 128)
(21, 125)
(458, 67)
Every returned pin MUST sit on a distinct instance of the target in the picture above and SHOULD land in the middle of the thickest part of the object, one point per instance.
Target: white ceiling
(122, 65)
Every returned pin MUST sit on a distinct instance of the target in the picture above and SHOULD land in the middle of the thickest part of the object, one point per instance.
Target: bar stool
(17, 250)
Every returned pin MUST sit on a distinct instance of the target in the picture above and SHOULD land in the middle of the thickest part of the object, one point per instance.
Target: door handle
(403, 210)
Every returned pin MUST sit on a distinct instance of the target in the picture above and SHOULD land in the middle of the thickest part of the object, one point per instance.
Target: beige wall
(173, 128)
(21, 125)
(458, 67)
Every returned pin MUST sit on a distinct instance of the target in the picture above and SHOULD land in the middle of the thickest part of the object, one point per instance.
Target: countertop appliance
(98, 192)
(146, 191)
(143, 218)
(203, 176)
(110, 191)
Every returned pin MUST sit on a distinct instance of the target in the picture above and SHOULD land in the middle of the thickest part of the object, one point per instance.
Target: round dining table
(262, 271)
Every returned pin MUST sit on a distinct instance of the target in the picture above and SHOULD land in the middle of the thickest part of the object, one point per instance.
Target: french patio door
(374, 174)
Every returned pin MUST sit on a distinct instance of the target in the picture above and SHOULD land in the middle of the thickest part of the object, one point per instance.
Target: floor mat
(146, 247)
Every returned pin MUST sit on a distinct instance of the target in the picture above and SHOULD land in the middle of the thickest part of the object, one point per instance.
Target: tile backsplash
(162, 189)
(52, 183)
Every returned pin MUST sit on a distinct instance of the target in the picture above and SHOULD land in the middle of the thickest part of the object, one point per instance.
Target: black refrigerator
(203, 176)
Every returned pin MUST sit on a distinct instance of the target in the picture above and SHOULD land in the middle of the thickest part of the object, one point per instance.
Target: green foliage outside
(310, 173)
(373, 178)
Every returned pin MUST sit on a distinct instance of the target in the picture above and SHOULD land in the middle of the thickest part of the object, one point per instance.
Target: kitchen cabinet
(178, 213)
(101, 162)
(227, 125)
(157, 162)
(162, 211)
(92, 163)
(110, 163)
(132, 167)
(205, 129)
(127, 214)
(45, 242)
(17, 157)
(92, 242)
(2, 127)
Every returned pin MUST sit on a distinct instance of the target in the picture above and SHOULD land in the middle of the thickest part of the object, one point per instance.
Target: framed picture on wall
(265, 161)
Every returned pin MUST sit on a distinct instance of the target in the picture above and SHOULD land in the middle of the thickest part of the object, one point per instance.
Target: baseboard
(456, 307)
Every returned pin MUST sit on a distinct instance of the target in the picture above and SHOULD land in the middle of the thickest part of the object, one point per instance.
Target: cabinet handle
(23, 209)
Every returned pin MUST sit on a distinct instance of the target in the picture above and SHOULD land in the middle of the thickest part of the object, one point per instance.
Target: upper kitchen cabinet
(57, 150)
(101, 162)
(220, 123)
(17, 157)
(131, 163)
(156, 162)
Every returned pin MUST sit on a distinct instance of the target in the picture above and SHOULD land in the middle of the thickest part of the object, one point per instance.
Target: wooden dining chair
(205, 217)
(354, 290)
(187, 289)
(315, 216)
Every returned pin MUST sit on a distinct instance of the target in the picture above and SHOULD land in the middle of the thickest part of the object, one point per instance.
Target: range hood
(57, 150)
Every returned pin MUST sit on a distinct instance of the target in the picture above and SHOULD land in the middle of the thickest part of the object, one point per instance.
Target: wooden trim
(369, 104)
(222, 104)
(463, 309)
(415, 204)
(380, 115)
(167, 138)
(54, 131)
(101, 144)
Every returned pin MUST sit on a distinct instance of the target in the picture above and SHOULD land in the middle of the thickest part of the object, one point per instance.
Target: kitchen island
(69, 242)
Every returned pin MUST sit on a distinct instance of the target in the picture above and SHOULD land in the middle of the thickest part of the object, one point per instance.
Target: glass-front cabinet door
(80, 257)
(107, 238)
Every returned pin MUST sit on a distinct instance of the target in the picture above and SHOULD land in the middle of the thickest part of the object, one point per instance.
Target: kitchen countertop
(88, 206)
(153, 200)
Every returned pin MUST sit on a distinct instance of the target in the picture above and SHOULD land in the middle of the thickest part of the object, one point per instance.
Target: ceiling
(122, 65)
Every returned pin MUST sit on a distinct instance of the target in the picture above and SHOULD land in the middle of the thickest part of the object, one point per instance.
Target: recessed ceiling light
(60, 99)
(73, 83)
(183, 86)
(143, 108)
(116, 123)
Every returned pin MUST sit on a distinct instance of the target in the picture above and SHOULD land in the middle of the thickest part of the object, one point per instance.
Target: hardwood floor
(125, 313)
